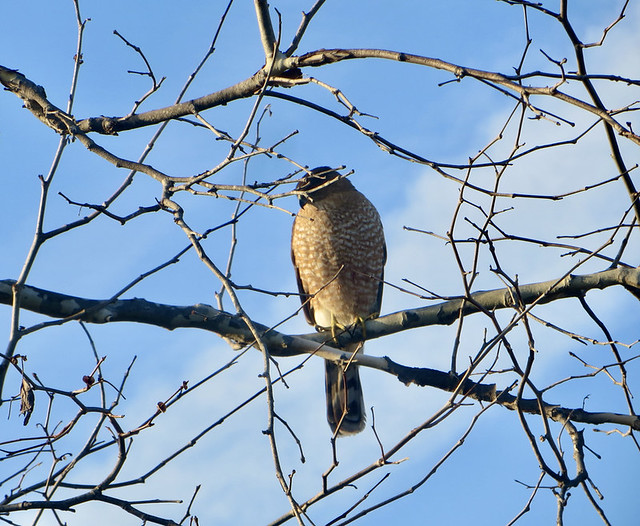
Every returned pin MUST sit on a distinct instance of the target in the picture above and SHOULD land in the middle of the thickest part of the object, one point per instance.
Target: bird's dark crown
(319, 182)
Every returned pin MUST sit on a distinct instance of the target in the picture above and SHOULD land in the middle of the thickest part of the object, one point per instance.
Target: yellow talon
(334, 328)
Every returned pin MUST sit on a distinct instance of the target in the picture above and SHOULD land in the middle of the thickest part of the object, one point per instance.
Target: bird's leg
(335, 326)
(361, 322)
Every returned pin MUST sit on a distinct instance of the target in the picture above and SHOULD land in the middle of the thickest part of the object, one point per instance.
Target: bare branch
(329, 56)
(206, 317)
(267, 34)
(304, 23)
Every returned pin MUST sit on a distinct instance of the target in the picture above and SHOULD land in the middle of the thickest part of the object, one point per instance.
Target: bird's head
(321, 182)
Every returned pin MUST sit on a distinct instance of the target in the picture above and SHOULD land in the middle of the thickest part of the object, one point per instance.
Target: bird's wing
(305, 299)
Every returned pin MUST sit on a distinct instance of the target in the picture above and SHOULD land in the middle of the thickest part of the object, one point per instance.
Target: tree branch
(205, 317)
(234, 327)
(267, 35)
(35, 97)
(323, 57)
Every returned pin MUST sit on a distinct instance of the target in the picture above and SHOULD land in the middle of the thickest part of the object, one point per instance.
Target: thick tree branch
(35, 100)
(205, 317)
(267, 35)
(35, 97)
(234, 327)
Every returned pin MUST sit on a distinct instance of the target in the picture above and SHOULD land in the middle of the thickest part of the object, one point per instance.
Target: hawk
(338, 251)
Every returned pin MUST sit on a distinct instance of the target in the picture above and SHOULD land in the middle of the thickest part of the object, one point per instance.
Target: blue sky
(446, 123)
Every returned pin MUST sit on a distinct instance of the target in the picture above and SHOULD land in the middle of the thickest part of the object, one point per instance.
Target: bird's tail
(345, 402)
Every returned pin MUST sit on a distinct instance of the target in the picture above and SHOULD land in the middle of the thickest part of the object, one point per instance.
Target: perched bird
(338, 251)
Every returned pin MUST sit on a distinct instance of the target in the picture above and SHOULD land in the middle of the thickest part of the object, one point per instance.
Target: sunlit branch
(51, 303)
(329, 56)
